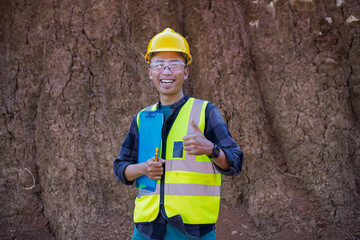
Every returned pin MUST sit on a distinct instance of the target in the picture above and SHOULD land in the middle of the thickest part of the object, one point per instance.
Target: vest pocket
(178, 150)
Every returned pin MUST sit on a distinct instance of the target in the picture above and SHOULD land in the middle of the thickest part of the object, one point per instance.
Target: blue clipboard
(150, 128)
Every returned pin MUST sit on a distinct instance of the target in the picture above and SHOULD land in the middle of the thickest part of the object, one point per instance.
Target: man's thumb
(195, 127)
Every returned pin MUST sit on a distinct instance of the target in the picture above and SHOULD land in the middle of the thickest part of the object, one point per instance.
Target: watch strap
(215, 152)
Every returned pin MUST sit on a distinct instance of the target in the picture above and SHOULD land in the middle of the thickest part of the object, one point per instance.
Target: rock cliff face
(285, 75)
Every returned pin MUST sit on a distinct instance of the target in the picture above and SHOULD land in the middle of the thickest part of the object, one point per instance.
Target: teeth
(167, 82)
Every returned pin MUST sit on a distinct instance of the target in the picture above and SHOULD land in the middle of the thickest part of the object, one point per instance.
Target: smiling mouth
(166, 82)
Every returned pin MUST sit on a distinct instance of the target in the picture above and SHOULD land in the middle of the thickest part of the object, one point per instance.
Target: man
(196, 149)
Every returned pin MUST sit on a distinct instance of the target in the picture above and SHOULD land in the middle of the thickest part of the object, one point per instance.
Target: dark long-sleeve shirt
(215, 130)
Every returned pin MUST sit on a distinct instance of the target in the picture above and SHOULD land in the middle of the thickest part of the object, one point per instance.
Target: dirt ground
(232, 224)
(238, 224)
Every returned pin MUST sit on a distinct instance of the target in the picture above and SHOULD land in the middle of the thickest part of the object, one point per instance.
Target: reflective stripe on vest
(192, 184)
(184, 189)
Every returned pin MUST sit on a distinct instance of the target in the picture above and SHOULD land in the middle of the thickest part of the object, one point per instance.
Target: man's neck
(170, 99)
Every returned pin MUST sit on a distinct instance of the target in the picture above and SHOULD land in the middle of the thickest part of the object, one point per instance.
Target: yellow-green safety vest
(192, 183)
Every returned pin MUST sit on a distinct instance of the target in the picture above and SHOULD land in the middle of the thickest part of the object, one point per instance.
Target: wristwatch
(215, 152)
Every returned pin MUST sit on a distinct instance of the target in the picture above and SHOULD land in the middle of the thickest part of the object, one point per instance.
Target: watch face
(216, 151)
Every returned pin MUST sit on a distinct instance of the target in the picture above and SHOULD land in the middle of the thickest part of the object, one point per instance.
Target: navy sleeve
(128, 153)
(217, 132)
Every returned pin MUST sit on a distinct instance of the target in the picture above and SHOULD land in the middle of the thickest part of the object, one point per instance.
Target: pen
(156, 154)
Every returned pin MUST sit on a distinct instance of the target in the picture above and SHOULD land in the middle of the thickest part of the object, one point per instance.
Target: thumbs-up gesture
(196, 143)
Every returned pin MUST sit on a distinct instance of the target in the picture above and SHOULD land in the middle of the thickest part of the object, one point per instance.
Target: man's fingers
(157, 163)
(186, 141)
(158, 177)
(190, 137)
(160, 162)
(156, 173)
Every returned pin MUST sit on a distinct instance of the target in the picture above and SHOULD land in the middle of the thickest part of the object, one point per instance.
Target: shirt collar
(176, 104)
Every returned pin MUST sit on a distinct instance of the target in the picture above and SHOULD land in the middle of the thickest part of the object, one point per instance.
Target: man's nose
(167, 70)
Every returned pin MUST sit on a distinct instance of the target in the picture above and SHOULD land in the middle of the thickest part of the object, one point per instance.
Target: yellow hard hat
(168, 41)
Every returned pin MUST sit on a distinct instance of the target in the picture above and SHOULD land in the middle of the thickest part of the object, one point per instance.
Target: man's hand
(153, 169)
(197, 144)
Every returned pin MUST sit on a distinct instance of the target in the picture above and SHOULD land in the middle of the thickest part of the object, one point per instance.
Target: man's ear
(186, 73)
(150, 73)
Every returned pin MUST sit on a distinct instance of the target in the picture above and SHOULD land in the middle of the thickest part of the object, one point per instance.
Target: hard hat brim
(188, 58)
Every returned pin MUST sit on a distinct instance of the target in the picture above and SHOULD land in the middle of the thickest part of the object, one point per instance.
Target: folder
(150, 127)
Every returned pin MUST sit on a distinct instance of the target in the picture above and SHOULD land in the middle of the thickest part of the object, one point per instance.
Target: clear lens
(173, 66)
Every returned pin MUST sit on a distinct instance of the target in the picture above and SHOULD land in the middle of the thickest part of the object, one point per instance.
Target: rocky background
(285, 75)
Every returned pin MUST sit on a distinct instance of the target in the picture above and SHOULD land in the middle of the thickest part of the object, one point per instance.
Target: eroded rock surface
(284, 74)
